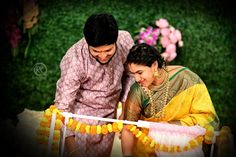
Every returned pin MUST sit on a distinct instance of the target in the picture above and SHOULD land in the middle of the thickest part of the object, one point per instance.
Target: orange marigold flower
(179, 149)
(73, 125)
(133, 128)
(152, 144)
(70, 122)
(87, 129)
(93, 130)
(141, 137)
(52, 107)
(45, 124)
(115, 127)
(48, 112)
(139, 134)
(148, 142)
(135, 131)
(129, 126)
(78, 126)
(145, 139)
(104, 129)
(165, 148)
(82, 128)
(199, 139)
(157, 146)
(193, 143)
(187, 147)
(56, 138)
(60, 117)
(209, 134)
(171, 149)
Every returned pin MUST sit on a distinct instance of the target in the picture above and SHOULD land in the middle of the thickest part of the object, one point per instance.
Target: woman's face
(144, 75)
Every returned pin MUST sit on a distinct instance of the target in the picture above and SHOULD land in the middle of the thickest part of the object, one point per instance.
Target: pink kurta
(87, 87)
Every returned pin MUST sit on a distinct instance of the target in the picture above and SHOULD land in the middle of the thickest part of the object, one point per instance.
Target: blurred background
(35, 34)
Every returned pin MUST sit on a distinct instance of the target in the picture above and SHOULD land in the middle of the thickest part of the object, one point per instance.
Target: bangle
(71, 152)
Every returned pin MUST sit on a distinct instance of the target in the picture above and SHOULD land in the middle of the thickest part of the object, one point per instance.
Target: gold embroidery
(150, 94)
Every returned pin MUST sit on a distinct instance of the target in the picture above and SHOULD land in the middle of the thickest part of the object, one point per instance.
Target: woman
(169, 94)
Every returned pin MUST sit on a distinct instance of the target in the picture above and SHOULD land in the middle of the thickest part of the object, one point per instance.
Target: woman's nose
(137, 78)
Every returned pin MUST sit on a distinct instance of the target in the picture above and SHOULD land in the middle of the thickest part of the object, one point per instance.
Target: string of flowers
(44, 130)
(147, 141)
(163, 36)
(42, 133)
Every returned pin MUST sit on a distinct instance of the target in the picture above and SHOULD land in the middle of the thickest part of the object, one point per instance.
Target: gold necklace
(150, 94)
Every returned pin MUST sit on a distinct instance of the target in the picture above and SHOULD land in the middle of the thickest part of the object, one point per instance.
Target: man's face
(103, 54)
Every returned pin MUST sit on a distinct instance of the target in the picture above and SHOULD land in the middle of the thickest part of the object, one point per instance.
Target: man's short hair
(101, 29)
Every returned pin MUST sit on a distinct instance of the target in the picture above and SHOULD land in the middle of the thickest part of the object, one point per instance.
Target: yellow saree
(188, 104)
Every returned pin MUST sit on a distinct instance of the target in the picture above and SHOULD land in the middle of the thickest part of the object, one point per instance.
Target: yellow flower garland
(44, 130)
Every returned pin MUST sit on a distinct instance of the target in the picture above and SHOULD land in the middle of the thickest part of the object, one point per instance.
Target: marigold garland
(147, 141)
(208, 137)
(44, 130)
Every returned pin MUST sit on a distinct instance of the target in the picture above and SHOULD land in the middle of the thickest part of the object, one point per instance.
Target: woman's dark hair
(100, 29)
(145, 54)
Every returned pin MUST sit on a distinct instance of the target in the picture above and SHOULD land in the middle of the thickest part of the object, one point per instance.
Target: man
(93, 80)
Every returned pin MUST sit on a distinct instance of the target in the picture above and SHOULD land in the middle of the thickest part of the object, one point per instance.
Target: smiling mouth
(103, 61)
(141, 82)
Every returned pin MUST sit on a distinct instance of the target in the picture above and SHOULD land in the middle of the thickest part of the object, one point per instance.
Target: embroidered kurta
(188, 102)
(87, 87)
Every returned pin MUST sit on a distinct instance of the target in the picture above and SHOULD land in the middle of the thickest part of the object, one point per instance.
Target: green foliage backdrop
(208, 33)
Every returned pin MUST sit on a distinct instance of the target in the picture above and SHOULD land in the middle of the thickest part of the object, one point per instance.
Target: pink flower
(149, 36)
(149, 41)
(162, 23)
(173, 38)
(181, 43)
(170, 53)
(156, 33)
(171, 57)
(171, 48)
(165, 37)
(165, 31)
(178, 34)
(165, 55)
(165, 41)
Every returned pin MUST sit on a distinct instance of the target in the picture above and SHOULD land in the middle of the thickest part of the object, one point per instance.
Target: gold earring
(155, 73)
